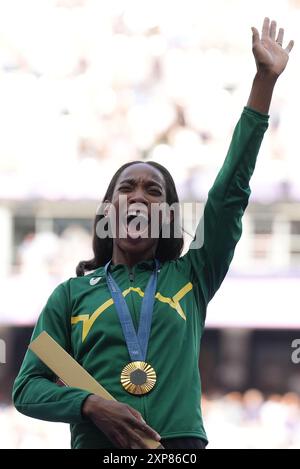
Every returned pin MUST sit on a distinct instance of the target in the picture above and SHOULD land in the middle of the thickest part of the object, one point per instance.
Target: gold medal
(138, 378)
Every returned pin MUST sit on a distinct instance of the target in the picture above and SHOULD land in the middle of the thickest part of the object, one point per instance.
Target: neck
(130, 259)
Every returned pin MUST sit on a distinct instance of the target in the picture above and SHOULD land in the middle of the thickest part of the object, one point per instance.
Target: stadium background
(86, 85)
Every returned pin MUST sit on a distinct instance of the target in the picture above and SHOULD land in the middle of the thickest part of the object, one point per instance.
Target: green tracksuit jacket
(80, 315)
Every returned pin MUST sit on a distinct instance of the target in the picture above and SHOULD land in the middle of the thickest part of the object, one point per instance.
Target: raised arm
(221, 226)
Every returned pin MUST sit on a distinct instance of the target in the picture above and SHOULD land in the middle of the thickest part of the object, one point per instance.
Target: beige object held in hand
(70, 372)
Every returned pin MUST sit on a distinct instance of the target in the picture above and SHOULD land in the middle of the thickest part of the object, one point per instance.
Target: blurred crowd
(235, 420)
(47, 259)
(88, 85)
(251, 421)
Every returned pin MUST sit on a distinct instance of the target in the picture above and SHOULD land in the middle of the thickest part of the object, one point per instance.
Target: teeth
(137, 214)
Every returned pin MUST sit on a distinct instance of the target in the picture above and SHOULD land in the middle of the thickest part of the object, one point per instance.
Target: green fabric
(172, 408)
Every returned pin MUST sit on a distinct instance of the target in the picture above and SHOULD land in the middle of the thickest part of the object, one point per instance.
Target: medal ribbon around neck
(138, 377)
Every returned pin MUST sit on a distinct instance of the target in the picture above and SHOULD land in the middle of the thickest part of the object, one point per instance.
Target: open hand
(270, 56)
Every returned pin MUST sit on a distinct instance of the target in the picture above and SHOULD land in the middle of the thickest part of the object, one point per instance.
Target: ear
(106, 209)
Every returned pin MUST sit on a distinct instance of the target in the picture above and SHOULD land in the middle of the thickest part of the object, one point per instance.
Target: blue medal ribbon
(137, 343)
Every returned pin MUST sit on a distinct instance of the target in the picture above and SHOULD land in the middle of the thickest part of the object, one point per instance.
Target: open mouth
(137, 224)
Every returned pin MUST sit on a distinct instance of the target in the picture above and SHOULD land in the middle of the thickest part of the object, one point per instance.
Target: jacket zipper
(131, 280)
(131, 276)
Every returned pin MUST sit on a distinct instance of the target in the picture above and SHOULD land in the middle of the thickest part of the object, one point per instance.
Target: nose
(137, 196)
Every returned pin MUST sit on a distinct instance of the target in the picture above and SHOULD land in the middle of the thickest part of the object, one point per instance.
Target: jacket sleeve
(220, 228)
(35, 392)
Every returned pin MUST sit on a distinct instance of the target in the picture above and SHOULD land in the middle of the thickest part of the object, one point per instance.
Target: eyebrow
(150, 182)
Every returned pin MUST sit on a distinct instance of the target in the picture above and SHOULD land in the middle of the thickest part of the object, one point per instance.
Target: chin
(137, 245)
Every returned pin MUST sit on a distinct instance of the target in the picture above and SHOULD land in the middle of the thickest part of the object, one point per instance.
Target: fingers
(265, 28)
(279, 39)
(131, 433)
(136, 441)
(136, 431)
(123, 425)
(255, 35)
(136, 414)
(273, 30)
(269, 31)
(289, 47)
(141, 427)
(138, 423)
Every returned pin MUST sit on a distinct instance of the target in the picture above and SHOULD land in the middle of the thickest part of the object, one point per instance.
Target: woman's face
(138, 188)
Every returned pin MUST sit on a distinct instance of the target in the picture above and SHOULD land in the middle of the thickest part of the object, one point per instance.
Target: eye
(125, 189)
(154, 191)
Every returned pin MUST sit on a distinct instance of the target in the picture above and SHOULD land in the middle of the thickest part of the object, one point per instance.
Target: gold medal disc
(138, 378)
